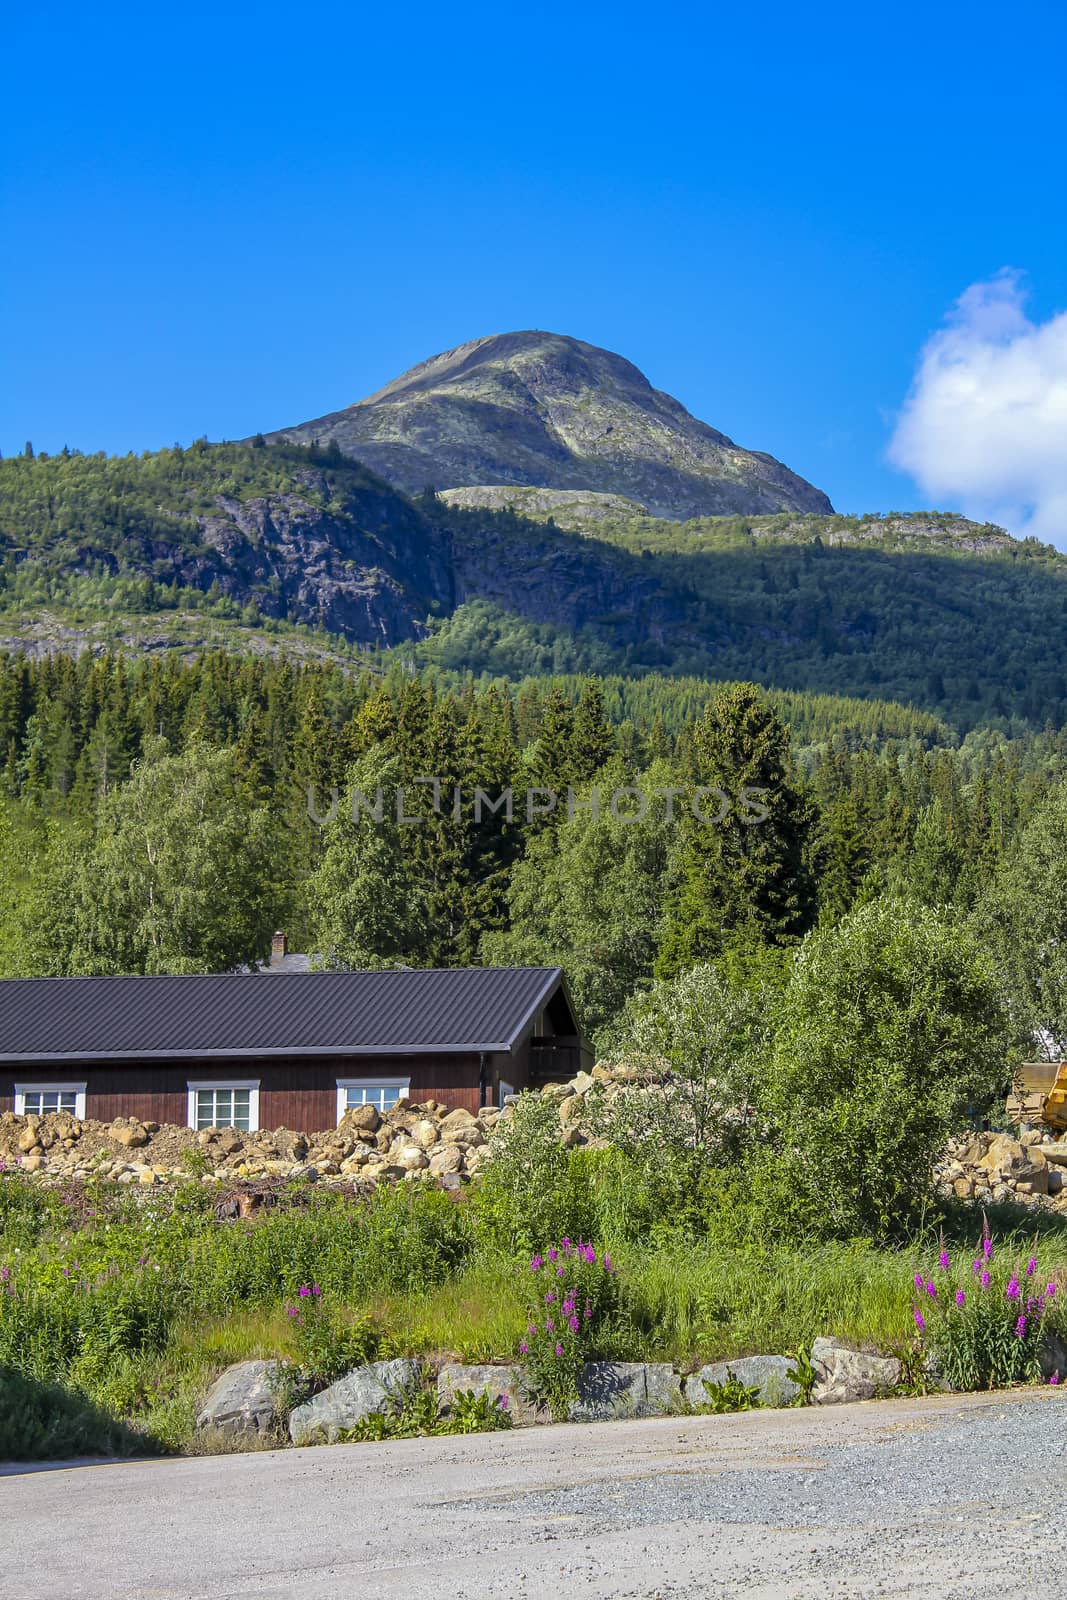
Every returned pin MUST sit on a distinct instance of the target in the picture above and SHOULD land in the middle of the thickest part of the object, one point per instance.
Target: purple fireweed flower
(588, 1312)
(524, 1348)
(920, 1281)
(1031, 1266)
(961, 1299)
(304, 1291)
(1020, 1328)
(536, 1262)
(550, 1296)
(1012, 1291)
(987, 1247)
(550, 1326)
(532, 1327)
(1055, 1378)
(573, 1324)
(976, 1266)
(1050, 1290)
(502, 1401)
(565, 1245)
(943, 1261)
(931, 1289)
(920, 1321)
(984, 1280)
(560, 1271)
(315, 1290)
(553, 1254)
(559, 1349)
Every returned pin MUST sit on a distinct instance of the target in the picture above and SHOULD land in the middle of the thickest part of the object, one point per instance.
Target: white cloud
(984, 428)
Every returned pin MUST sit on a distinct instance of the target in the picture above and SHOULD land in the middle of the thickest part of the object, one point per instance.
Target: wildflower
(976, 1266)
(502, 1401)
(961, 1299)
(607, 1263)
(536, 1263)
(1050, 1290)
(524, 1348)
(987, 1247)
(550, 1296)
(920, 1321)
(931, 1289)
(573, 1324)
(943, 1260)
(1055, 1378)
(559, 1349)
(1020, 1328)
(304, 1291)
(984, 1280)
(553, 1255)
(1031, 1266)
(565, 1246)
(919, 1280)
(531, 1327)
(550, 1326)
(560, 1272)
(316, 1291)
(1012, 1291)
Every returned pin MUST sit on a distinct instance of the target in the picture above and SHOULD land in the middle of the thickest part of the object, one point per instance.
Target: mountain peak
(546, 410)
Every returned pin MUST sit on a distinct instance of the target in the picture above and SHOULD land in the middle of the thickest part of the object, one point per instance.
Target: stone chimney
(279, 948)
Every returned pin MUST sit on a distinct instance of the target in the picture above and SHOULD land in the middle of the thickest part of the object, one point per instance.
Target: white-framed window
(34, 1099)
(504, 1090)
(378, 1092)
(233, 1103)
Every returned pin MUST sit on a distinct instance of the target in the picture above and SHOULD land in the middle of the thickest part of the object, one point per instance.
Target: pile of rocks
(987, 1167)
(241, 1406)
(409, 1141)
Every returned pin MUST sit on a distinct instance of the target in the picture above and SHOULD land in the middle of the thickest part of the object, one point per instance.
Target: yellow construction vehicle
(1039, 1094)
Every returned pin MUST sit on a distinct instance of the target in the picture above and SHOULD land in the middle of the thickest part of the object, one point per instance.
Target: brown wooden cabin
(293, 1051)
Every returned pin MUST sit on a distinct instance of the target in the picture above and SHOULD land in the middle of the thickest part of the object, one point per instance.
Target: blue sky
(224, 220)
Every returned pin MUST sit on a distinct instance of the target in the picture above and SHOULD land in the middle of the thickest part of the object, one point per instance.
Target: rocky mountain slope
(151, 552)
(548, 411)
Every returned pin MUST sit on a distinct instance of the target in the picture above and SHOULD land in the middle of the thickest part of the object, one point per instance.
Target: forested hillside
(155, 818)
(254, 545)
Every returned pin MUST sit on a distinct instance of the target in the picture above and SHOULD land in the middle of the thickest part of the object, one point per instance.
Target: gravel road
(957, 1498)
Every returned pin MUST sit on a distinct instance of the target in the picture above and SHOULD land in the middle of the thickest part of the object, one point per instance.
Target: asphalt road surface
(957, 1498)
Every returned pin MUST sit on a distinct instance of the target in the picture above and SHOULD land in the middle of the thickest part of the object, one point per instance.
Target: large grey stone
(351, 1398)
(240, 1404)
(498, 1382)
(610, 1389)
(843, 1373)
(768, 1374)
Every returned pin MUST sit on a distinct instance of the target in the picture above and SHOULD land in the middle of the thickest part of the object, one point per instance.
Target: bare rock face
(543, 409)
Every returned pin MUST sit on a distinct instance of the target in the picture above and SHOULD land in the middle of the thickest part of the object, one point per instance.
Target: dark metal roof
(309, 1013)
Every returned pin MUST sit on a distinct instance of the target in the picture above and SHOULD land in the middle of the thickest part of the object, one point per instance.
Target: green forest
(155, 818)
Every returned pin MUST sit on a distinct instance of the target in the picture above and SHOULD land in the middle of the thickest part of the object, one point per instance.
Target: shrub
(891, 1026)
(325, 1344)
(575, 1307)
(985, 1325)
(533, 1189)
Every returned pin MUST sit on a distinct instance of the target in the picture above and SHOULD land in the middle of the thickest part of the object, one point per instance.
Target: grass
(118, 1311)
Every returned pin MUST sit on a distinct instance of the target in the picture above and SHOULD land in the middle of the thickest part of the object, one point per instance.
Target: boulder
(499, 1382)
(459, 1118)
(241, 1404)
(28, 1138)
(351, 1398)
(844, 1373)
(769, 1374)
(131, 1138)
(450, 1159)
(424, 1134)
(571, 1109)
(613, 1389)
